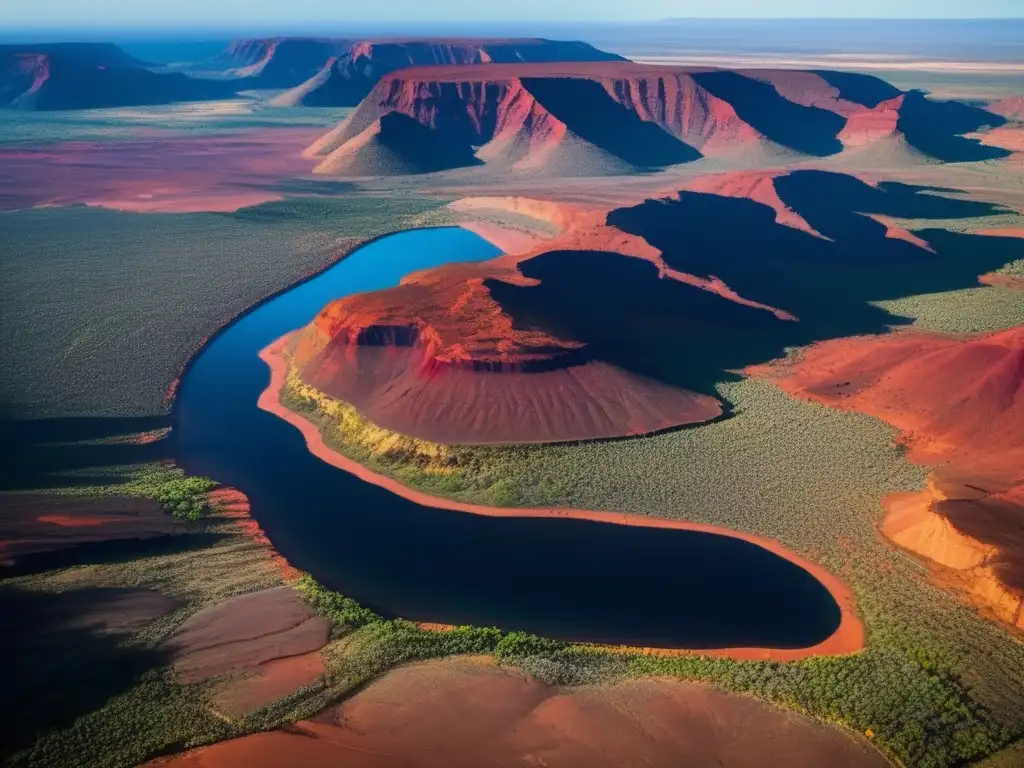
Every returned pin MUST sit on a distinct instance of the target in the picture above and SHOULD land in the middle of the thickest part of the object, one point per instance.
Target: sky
(222, 13)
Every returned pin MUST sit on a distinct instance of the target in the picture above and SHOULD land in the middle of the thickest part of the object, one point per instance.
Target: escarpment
(592, 118)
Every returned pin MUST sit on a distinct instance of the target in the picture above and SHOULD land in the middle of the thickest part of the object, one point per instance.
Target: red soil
(958, 402)
(848, 638)
(1002, 232)
(267, 683)
(1008, 137)
(467, 712)
(895, 232)
(1011, 109)
(34, 524)
(173, 174)
(245, 633)
(1000, 280)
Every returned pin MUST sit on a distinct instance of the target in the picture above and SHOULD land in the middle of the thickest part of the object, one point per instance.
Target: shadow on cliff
(590, 113)
(935, 128)
(695, 339)
(54, 453)
(810, 130)
(866, 90)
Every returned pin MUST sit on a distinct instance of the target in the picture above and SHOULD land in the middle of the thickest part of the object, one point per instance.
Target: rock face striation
(340, 72)
(90, 76)
(586, 118)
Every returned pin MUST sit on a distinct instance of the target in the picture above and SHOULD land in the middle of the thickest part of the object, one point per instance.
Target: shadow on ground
(64, 654)
(696, 339)
(56, 453)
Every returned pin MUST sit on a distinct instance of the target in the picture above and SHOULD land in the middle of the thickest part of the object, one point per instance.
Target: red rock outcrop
(959, 403)
(438, 358)
(607, 117)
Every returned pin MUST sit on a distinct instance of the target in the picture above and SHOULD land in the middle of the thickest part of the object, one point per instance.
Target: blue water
(567, 579)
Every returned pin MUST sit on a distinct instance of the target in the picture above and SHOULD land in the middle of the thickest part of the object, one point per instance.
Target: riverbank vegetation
(476, 474)
(938, 685)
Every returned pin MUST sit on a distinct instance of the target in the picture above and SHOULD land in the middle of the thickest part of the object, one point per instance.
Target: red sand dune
(958, 402)
(467, 712)
(155, 173)
(591, 118)
(848, 637)
(245, 633)
(34, 524)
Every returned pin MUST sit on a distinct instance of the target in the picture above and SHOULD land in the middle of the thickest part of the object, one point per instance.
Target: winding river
(563, 578)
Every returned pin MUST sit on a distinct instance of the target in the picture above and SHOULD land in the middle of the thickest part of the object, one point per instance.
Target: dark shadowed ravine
(562, 578)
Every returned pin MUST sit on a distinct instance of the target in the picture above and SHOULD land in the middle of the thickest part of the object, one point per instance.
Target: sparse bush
(344, 612)
(521, 644)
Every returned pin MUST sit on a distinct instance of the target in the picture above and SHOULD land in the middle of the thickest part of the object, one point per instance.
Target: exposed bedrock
(591, 118)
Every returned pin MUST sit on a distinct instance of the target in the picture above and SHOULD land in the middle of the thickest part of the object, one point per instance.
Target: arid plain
(777, 301)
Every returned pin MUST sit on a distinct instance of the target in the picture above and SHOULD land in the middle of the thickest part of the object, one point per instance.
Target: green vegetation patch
(971, 310)
(102, 309)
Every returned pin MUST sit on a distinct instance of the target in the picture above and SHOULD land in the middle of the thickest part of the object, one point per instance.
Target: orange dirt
(244, 633)
(468, 712)
(848, 638)
(958, 402)
(1012, 108)
(1000, 280)
(267, 683)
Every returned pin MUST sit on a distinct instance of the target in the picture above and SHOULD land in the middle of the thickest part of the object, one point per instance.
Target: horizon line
(158, 26)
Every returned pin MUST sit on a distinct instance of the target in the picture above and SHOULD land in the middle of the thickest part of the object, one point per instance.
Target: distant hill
(89, 76)
(610, 117)
(341, 72)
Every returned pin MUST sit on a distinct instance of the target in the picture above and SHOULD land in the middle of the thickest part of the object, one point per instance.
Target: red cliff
(606, 117)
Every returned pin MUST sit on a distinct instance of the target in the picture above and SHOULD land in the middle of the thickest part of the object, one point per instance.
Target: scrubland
(102, 309)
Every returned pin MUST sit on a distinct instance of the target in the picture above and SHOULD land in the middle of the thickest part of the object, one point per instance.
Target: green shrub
(185, 497)
(520, 644)
(343, 612)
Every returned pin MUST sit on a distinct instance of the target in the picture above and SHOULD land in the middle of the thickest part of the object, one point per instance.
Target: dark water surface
(567, 579)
